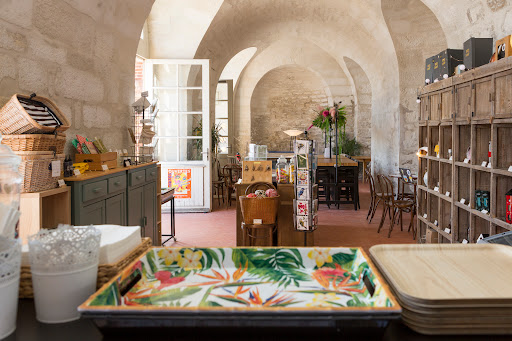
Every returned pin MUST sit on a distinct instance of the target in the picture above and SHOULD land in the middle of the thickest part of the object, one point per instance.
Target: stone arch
(362, 105)
(298, 52)
(417, 35)
(341, 28)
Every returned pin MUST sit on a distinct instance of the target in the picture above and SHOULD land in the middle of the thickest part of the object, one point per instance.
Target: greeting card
(302, 193)
(302, 207)
(302, 223)
(302, 177)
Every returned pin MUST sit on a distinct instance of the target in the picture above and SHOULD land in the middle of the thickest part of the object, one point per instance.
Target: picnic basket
(42, 117)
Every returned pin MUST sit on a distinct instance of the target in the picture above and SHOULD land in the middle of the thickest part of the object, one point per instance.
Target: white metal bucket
(9, 306)
(57, 295)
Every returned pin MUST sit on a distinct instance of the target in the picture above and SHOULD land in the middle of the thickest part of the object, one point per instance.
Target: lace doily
(10, 259)
(65, 248)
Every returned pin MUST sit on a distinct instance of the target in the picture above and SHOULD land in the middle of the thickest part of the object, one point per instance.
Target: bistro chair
(395, 206)
(375, 196)
(218, 185)
(323, 178)
(231, 173)
(348, 186)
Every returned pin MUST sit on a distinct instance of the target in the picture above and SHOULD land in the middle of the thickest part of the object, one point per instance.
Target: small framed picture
(302, 147)
(302, 161)
(302, 207)
(302, 177)
(302, 223)
(302, 192)
(127, 162)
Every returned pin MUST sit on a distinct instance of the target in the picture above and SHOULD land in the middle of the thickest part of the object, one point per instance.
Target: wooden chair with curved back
(395, 206)
(231, 173)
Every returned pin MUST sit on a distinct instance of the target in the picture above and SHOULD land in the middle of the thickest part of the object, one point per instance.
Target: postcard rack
(306, 191)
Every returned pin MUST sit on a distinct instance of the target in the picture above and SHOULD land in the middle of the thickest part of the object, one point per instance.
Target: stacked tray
(450, 288)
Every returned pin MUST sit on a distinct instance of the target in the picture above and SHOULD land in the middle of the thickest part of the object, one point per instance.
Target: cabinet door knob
(97, 190)
(152, 173)
(117, 183)
(138, 177)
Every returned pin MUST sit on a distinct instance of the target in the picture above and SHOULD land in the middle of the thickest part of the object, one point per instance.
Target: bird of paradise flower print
(249, 278)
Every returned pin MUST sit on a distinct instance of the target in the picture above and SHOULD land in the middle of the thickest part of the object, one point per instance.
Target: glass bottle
(282, 176)
(292, 170)
(10, 188)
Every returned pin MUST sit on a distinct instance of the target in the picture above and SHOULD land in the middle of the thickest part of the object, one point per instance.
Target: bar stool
(266, 231)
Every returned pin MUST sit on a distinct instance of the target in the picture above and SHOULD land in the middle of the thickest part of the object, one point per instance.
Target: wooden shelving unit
(44, 210)
(463, 114)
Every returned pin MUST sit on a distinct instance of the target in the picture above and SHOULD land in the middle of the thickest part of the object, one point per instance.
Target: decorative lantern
(508, 197)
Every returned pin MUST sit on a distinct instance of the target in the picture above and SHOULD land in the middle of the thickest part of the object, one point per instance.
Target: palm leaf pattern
(248, 277)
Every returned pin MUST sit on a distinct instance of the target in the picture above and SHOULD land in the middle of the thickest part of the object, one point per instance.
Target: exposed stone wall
(81, 54)
(285, 98)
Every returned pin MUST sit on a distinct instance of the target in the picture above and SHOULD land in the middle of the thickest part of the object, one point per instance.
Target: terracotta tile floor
(343, 227)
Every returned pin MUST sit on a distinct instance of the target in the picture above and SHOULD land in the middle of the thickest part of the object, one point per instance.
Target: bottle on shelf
(282, 174)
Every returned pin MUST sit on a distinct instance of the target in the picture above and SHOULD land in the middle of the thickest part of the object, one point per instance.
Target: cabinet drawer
(137, 178)
(151, 174)
(117, 183)
(95, 190)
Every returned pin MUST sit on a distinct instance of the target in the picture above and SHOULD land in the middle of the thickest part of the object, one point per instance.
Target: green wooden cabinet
(115, 210)
(92, 214)
(120, 197)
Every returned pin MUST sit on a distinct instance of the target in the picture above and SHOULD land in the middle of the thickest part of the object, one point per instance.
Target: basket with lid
(31, 115)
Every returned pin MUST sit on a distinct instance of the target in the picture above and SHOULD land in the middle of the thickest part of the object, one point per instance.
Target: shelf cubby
(480, 152)
(433, 214)
(503, 185)
(462, 185)
(446, 215)
(479, 226)
(464, 142)
(434, 140)
(446, 142)
(482, 183)
(503, 133)
(423, 137)
(422, 202)
(423, 162)
(433, 174)
(446, 178)
(463, 223)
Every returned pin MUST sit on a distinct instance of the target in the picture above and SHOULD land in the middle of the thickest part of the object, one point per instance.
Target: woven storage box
(259, 208)
(105, 271)
(36, 172)
(35, 142)
(15, 120)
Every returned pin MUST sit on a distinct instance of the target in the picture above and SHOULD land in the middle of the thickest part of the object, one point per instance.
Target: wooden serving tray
(447, 275)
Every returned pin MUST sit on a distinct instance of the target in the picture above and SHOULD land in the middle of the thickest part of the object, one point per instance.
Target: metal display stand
(305, 204)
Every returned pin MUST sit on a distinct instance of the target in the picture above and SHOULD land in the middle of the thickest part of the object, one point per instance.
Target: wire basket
(35, 142)
(35, 168)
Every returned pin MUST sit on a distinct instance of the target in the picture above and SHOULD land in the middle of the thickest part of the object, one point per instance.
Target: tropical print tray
(280, 280)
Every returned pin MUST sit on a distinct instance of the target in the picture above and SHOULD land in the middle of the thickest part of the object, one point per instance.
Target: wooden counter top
(96, 174)
(330, 162)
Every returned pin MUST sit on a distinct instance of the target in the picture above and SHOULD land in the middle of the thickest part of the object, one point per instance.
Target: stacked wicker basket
(35, 138)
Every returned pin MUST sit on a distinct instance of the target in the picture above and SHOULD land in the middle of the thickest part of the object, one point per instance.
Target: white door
(182, 124)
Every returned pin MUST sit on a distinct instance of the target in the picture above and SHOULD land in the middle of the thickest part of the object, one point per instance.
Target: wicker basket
(35, 142)
(259, 208)
(15, 120)
(105, 271)
(36, 172)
